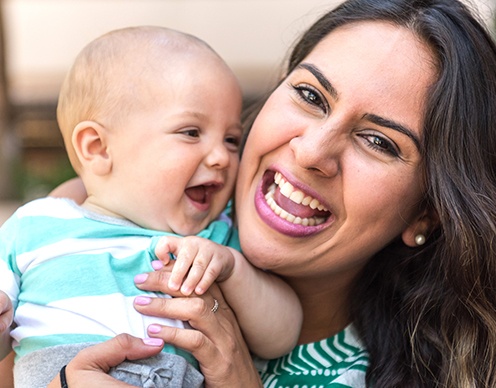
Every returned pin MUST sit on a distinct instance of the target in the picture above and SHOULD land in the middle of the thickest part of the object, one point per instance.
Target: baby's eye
(232, 142)
(192, 132)
(311, 96)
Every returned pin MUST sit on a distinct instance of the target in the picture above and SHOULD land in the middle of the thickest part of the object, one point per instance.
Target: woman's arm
(73, 188)
(217, 342)
(267, 309)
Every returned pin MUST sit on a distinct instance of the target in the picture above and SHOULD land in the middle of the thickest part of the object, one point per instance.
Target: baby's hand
(6, 312)
(199, 262)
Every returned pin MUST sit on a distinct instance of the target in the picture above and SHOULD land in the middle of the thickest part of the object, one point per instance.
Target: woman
(386, 121)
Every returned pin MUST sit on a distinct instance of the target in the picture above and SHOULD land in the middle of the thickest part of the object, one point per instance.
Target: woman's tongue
(297, 209)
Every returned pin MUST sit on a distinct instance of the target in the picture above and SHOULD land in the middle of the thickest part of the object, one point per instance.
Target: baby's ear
(417, 233)
(89, 140)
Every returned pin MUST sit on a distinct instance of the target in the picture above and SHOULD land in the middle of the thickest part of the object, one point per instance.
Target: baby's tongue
(196, 193)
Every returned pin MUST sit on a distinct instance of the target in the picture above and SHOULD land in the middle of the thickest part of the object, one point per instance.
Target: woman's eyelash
(379, 144)
(311, 96)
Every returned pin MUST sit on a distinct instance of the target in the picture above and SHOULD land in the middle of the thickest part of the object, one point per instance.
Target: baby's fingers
(202, 278)
(185, 256)
(165, 246)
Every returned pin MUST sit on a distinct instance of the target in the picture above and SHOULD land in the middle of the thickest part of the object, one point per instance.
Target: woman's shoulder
(339, 361)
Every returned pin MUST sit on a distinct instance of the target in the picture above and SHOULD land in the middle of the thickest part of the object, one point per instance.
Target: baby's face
(175, 162)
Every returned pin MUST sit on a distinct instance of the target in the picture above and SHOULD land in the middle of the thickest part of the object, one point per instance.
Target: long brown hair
(428, 315)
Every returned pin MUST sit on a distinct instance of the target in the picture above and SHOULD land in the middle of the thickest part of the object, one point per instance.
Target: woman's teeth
(296, 196)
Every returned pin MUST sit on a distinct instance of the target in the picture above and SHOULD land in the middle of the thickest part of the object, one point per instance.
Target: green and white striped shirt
(339, 361)
(69, 273)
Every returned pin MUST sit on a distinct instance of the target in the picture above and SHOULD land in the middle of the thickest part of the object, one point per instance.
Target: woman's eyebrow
(326, 84)
(394, 126)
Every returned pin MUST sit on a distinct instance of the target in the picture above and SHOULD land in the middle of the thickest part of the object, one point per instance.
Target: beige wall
(43, 36)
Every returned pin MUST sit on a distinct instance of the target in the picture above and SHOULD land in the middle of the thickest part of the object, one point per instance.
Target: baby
(151, 122)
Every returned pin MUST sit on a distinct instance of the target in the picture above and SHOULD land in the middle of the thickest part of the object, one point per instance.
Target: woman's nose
(318, 150)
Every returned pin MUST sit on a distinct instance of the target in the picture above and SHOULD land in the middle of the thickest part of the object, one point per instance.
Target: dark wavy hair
(428, 315)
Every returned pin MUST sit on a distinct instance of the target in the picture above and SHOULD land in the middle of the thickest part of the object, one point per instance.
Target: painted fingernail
(157, 264)
(154, 329)
(141, 278)
(153, 341)
(142, 300)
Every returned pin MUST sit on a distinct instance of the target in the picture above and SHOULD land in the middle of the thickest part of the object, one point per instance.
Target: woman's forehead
(380, 67)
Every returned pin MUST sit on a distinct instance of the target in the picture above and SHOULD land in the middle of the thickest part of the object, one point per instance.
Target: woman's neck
(326, 307)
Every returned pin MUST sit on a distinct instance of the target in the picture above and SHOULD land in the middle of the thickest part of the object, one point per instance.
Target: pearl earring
(420, 239)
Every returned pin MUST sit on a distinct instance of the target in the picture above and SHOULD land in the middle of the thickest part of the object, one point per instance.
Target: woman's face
(330, 173)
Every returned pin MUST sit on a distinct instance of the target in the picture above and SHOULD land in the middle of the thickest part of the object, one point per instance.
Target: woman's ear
(417, 233)
(90, 143)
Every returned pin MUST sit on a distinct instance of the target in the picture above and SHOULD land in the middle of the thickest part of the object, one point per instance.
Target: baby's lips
(201, 193)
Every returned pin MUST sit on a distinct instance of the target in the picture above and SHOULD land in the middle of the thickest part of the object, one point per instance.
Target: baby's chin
(189, 229)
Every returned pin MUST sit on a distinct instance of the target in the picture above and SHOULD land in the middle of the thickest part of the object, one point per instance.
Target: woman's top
(338, 361)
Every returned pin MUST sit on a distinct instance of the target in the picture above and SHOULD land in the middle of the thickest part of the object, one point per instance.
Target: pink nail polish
(157, 264)
(154, 329)
(141, 278)
(142, 300)
(153, 341)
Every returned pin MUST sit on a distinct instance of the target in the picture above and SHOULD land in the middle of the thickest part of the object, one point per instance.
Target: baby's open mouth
(292, 204)
(202, 193)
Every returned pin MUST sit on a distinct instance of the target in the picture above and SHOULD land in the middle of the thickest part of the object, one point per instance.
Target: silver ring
(216, 306)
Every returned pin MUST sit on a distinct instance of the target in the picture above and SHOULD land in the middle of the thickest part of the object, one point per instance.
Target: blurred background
(40, 38)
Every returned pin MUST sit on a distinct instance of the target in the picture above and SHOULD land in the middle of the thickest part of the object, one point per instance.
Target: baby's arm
(6, 317)
(267, 309)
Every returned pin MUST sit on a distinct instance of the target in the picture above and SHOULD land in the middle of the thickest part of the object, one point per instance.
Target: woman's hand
(91, 365)
(217, 342)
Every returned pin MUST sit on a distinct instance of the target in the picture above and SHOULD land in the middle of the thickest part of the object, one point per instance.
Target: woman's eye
(381, 144)
(311, 96)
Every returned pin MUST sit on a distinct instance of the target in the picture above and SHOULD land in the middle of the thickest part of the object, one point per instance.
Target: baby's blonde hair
(112, 74)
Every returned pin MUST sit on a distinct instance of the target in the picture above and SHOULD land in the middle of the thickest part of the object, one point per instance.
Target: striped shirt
(339, 361)
(69, 273)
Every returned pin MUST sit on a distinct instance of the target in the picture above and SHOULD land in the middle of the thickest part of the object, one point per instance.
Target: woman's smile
(288, 209)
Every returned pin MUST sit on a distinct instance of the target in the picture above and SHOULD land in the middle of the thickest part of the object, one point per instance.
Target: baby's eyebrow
(383, 122)
(326, 84)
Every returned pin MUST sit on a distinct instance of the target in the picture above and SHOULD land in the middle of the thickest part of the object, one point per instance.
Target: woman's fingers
(110, 353)
(90, 366)
(216, 341)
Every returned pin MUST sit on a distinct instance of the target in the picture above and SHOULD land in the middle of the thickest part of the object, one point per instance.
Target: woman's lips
(288, 209)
